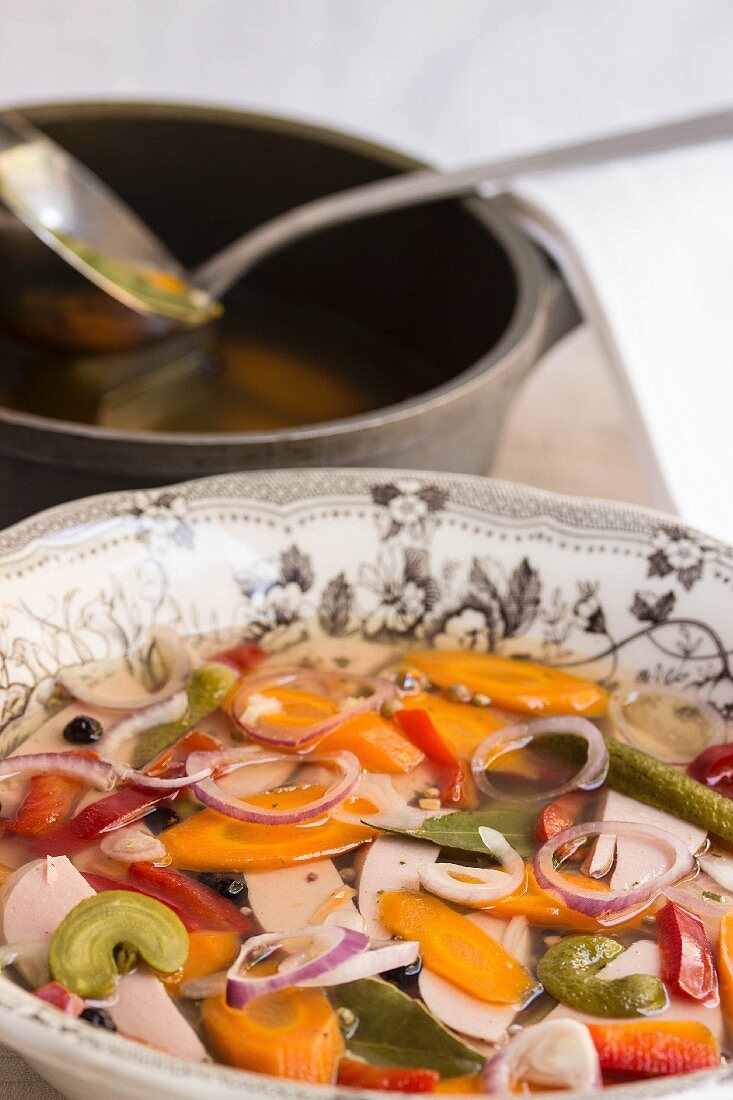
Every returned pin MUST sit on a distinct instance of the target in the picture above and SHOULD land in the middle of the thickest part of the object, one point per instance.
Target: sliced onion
(327, 683)
(393, 812)
(375, 960)
(170, 710)
(610, 907)
(556, 1055)
(512, 737)
(719, 868)
(211, 794)
(448, 880)
(99, 774)
(133, 846)
(156, 782)
(96, 773)
(175, 655)
(690, 896)
(313, 951)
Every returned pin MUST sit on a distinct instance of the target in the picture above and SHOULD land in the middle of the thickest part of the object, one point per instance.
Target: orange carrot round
(456, 949)
(293, 1033)
(522, 686)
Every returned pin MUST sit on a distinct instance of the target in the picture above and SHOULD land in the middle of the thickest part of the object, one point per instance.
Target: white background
(451, 80)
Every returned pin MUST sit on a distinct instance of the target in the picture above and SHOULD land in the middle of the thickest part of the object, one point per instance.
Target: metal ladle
(137, 291)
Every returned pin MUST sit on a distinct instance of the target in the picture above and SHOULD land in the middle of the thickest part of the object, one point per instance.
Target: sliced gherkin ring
(208, 687)
(569, 971)
(111, 928)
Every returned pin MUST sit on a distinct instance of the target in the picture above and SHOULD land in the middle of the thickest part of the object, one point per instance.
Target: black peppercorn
(99, 1017)
(162, 817)
(83, 730)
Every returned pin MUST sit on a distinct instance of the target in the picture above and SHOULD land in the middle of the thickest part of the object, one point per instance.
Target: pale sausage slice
(145, 1011)
(461, 1011)
(286, 898)
(637, 859)
(33, 903)
(36, 898)
(390, 863)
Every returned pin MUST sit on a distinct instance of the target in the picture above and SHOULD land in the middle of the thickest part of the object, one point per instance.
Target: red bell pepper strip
(242, 658)
(687, 964)
(59, 996)
(653, 1048)
(50, 801)
(123, 806)
(714, 768)
(559, 815)
(362, 1075)
(100, 883)
(215, 913)
(455, 780)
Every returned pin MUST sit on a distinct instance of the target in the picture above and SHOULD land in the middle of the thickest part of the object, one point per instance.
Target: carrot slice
(455, 948)
(377, 744)
(461, 1086)
(208, 952)
(725, 967)
(544, 909)
(523, 686)
(464, 727)
(654, 1048)
(210, 841)
(293, 1033)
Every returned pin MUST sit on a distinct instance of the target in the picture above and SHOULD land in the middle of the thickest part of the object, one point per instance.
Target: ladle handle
(427, 185)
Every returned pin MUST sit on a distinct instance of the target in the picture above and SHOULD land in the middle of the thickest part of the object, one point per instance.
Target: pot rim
(524, 325)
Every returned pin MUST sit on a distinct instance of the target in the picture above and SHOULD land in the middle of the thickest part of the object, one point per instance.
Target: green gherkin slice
(207, 688)
(100, 932)
(569, 971)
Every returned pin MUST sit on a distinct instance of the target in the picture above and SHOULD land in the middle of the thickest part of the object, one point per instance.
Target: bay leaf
(392, 1029)
(460, 830)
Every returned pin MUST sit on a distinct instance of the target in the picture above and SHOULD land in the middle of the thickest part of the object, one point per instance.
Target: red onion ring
(517, 736)
(174, 653)
(210, 793)
(493, 884)
(99, 774)
(329, 947)
(170, 710)
(283, 736)
(155, 782)
(612, 906)
(557, 1055)
(96, 773)
(374, 960)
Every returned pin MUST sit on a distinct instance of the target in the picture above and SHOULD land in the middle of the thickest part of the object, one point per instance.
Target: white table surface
(452, 80)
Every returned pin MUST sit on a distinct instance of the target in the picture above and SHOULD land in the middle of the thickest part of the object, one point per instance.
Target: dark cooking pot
(457, 282)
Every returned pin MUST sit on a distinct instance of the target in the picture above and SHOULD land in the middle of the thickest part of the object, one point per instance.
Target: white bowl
(334, 562)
